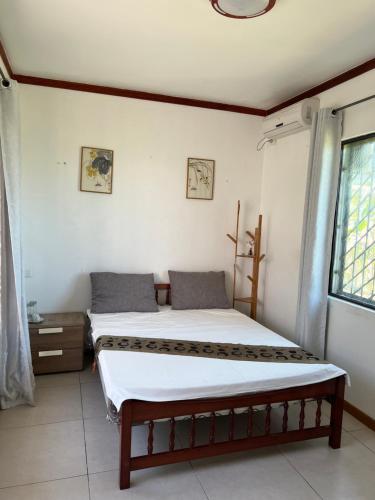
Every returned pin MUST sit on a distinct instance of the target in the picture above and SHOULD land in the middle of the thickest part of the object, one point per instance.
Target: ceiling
(184, 48)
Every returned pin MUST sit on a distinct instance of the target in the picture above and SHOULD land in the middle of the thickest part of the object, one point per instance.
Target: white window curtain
(321, 194)
(16, 376)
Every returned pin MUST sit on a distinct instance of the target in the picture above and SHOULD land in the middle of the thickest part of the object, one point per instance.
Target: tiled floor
(65, 449)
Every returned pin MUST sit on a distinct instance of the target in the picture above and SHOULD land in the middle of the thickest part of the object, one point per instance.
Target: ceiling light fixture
(242, 9)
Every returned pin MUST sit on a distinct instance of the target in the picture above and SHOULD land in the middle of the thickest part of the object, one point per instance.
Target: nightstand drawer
(57, 343)
(56, 360)
(68, 337)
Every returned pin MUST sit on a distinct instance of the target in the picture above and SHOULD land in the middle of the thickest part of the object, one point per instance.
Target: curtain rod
(353, 103)
(5, 83)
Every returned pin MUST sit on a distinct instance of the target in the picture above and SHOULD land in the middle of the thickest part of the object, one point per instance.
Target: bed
(144, 388)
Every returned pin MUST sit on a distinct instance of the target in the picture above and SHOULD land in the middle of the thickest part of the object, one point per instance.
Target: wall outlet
(28, 273)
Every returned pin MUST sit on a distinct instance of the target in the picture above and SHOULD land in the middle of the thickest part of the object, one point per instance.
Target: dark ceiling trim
(5, 59)
(150, 96)
(329, 84)
(136, 94)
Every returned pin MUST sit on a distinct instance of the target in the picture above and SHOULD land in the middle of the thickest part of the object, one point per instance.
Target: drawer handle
(46, 354)
(44, 331)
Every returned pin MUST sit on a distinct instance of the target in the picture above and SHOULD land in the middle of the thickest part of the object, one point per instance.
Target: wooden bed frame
(136, 412)
(139, 412)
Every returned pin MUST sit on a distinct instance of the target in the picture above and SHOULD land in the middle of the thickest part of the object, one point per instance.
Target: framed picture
(96, 170)
(200, 179)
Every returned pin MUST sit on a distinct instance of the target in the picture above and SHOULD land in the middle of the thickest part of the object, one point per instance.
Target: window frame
(331, 293)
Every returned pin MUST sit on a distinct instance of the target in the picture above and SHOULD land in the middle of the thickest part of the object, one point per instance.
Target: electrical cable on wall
(263, 142)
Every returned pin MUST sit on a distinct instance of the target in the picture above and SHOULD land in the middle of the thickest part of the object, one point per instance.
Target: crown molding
(137, 94)
(329, 84)
(184, 101)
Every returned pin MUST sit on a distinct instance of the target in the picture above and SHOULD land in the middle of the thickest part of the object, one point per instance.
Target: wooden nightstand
(57, 343)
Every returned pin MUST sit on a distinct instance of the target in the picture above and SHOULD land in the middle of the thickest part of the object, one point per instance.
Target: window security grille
(353, 265)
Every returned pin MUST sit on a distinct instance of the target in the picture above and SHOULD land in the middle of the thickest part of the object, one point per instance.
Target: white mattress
(163, 377)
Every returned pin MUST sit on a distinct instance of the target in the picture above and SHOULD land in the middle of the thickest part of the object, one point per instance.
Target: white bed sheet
(163, 377)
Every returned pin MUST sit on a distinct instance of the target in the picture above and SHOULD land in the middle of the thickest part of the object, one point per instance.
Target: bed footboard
(273, 433)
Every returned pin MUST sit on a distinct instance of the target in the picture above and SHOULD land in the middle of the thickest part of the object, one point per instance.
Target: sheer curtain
(16, 376)
(321, 194)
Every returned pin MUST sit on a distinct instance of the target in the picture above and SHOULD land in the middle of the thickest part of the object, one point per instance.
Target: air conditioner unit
(290, 120)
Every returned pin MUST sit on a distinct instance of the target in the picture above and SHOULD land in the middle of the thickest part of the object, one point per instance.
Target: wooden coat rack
(256, 256)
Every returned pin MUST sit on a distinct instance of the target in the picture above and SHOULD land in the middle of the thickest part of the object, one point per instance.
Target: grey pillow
(112, 293)
(198, 290)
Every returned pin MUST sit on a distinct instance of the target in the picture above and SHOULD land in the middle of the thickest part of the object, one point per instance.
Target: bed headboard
(163, 286)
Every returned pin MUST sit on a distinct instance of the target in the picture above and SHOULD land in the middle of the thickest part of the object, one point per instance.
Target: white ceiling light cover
(242, 8)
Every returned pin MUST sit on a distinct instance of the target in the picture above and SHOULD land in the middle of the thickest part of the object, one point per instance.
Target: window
(353, 258)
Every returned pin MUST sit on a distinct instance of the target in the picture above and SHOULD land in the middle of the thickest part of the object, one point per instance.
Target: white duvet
(163, 377)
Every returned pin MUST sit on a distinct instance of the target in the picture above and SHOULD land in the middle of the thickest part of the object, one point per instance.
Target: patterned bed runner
(237, 352)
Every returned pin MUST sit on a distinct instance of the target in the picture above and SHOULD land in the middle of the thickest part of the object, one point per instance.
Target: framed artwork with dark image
(96, 170)
(200, 179)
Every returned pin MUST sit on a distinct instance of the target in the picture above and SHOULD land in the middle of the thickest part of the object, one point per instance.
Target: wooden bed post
(125, 444)
(337, 408)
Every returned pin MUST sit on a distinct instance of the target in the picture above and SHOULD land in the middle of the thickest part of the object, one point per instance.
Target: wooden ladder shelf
(256, 256)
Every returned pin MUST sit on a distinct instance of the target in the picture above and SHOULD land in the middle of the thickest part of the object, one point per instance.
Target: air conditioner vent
(290, 120)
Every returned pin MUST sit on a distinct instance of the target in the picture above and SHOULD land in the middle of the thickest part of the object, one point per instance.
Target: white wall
(351, 329)
(351, 344)
(146, 225)
(282, 205)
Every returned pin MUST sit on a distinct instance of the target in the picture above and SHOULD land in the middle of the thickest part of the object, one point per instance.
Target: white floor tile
(254, 475)
(222, 425)
(344, 474)
(103, 438)
(39, 462)
(41, 453)
(87, 375)
(93, 401)
(349, 423)
(161, 436)
(52, 404)
(75, 488)
(55, 379)
(171, 482)
(367, 437)
(294, 413)
(102, 445)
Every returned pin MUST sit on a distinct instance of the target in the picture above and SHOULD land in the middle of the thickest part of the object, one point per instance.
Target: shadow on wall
(78, 292)
(267, 230)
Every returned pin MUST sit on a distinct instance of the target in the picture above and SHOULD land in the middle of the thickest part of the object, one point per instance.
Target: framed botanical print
(200, 179)
(96, 170)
